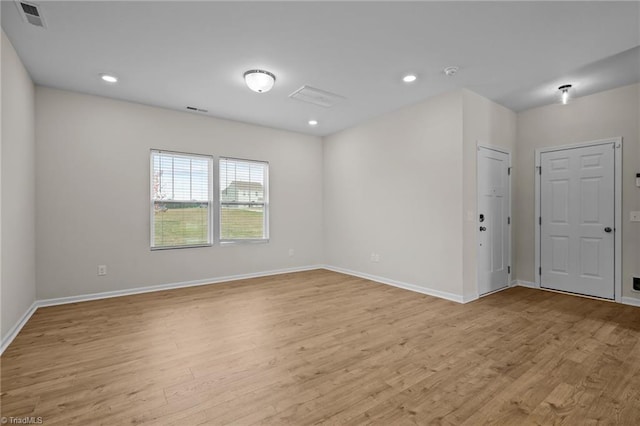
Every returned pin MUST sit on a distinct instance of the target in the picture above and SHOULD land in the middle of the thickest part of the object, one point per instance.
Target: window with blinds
(244, 200)
(180, 200)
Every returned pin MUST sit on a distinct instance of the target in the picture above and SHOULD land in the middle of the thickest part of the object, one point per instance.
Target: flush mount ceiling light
(450, 71)
(313, 122)
(564, 93)
(260, 81)
(409, 78)
(108, 78)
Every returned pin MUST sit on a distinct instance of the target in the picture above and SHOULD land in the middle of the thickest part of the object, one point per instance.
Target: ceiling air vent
(190, 108)
(31, 13)
(316, 96)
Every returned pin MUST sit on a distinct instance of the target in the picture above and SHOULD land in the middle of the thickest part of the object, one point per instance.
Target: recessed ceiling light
(313, 122)
(260, 81)
(450, 71)
(109, 78)
(409, 78)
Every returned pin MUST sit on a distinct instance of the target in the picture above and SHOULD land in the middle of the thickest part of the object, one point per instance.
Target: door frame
(617, 209)
(506, 151)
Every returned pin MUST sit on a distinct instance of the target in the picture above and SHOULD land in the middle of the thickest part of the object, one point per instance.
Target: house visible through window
(180, 200)
(244, 201)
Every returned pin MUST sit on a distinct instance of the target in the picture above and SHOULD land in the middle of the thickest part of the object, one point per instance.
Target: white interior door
(493, 220)
(577, 232)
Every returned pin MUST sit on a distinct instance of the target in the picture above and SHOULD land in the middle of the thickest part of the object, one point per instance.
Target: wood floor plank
(320, 347)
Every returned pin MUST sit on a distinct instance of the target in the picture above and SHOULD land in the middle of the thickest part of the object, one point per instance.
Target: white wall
(603, 115)
(393, 186)
(17, 183)
(92, 157)
(487, 123)
(400, 186)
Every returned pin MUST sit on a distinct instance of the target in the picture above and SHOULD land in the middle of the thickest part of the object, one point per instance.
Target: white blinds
(243, 200)
(181, 199)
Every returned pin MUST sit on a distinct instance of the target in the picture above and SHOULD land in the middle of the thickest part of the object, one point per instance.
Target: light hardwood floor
(321, 347)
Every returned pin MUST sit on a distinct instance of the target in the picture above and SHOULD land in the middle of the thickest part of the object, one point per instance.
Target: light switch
(634, 217)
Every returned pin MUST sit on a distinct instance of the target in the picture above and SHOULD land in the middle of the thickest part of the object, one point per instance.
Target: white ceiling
(174, 54)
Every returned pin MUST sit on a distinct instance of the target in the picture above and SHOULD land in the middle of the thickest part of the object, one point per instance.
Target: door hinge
(539, 169)
(509, 220)
(508, 269)
(540, 220)
(509, 171)
(540, 270)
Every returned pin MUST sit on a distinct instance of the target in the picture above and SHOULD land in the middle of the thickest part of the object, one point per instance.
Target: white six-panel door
(577, 232)
(493, 220)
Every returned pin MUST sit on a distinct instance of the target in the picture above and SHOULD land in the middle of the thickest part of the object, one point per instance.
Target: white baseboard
(522, 283)
(411, 287)
(169, 286)
(630, 301)
(466, 298)
(6, 341)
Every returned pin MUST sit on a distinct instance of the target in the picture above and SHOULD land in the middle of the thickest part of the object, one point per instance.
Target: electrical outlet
(291, 252)
(636, 283)
(373, 257)
(634, 217)
(102, 270)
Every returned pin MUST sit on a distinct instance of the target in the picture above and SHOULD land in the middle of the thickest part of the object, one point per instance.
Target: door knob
(483, 228)
(607, 229)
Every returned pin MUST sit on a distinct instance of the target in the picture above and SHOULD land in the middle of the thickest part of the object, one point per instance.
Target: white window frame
(211, 202)
(265, 204)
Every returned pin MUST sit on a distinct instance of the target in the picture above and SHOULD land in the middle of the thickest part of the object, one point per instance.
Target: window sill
(241, 242)
(180, 247)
